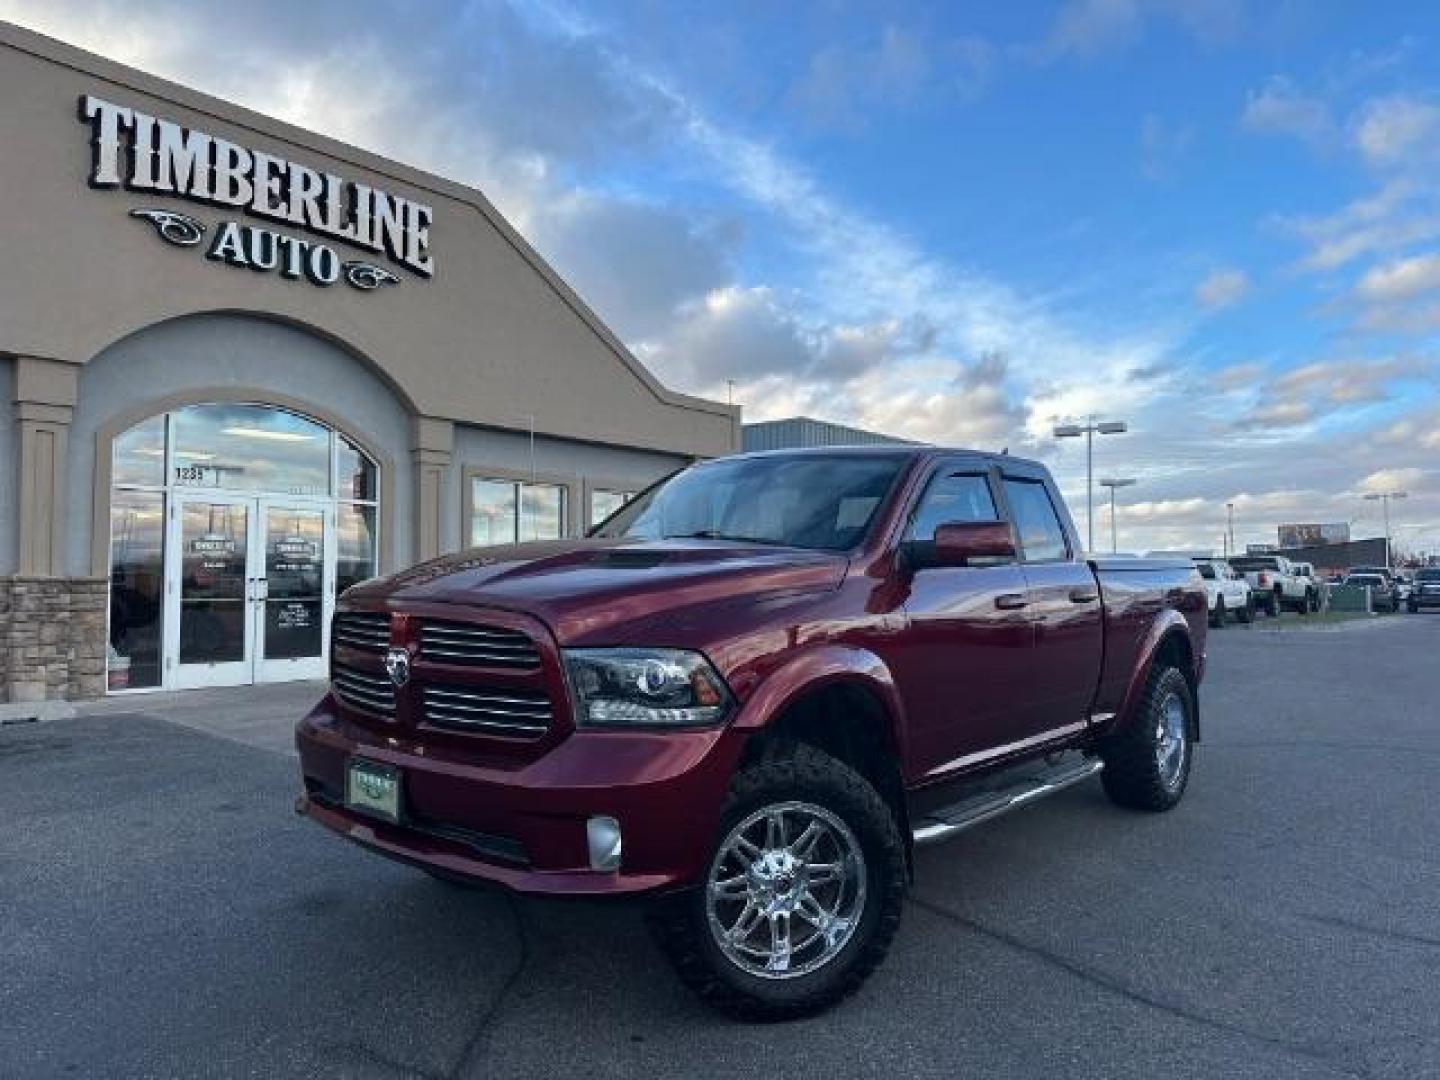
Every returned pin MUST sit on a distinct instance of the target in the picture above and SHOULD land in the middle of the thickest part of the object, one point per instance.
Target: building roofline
(84, 62)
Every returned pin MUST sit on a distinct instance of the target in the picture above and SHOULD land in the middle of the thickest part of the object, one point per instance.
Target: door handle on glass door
(1010, 601)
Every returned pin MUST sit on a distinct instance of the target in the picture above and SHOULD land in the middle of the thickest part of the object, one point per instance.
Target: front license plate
(372, 788)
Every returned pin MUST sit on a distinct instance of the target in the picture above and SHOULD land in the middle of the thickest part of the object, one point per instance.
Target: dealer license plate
(372, 788)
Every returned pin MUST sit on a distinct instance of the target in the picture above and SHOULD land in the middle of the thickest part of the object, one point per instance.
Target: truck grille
(368, 630)
(489, 710)
(363, 690)
(484, 646)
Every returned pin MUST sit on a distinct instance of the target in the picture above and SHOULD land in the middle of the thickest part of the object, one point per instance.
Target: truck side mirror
(960, 543)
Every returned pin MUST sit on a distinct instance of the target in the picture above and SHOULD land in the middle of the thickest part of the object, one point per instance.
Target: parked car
(1318, 588)
(1382, 589)
(1276, 585)
(1426, 590)
(747, 696)
(1227, 592)
(1403, 586)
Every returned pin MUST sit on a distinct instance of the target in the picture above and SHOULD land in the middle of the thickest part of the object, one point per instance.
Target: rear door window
(1042, 537)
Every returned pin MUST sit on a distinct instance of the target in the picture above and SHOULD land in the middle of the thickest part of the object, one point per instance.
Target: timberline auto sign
(146, 154)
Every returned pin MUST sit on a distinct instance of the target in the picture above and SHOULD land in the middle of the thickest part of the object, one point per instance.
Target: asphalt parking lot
(165, 914)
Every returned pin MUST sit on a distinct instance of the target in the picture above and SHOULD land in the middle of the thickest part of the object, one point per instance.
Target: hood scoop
(640, 559)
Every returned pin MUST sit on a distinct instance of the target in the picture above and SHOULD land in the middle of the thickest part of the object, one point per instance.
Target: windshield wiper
(715, 534)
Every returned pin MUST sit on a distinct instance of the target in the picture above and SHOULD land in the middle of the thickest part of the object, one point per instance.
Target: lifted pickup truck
(749, 694)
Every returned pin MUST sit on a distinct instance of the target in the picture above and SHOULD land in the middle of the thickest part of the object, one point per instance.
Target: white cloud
(1400, 280)
(1280, 108)
(1388, 480)
(1393, 130)
(1222, 288)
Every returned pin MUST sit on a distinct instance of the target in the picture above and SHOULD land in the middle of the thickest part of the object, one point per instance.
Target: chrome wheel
(1170, 743)
(786, 890)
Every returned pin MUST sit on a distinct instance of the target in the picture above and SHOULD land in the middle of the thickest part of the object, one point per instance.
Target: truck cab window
(949, 498)
(1042, 537)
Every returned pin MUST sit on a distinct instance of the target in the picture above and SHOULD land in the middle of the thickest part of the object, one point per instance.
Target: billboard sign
(1292, 536)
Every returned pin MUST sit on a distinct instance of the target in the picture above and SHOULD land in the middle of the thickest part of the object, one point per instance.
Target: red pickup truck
(749, 694)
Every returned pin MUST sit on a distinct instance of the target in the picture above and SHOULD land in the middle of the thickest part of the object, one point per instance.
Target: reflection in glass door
(292, 596)
(210, 625)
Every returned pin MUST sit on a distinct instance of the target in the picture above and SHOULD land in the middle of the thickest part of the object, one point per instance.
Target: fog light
(603, 835)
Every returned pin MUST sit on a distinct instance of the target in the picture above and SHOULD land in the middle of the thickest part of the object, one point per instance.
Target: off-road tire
(1217, 613)
(790, 772)
(1132, 775)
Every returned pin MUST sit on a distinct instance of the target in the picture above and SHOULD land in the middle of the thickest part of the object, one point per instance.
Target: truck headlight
(645, 688)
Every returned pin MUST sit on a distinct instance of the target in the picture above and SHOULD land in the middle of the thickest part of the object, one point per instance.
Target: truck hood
(594, 591)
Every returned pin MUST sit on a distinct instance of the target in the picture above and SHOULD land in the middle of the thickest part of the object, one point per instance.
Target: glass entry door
(211, 623)
(249, 593)
(293, 590)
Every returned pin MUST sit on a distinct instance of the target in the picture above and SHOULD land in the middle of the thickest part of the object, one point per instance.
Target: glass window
(250, 448)
(492, 512)
(542, 511)
(511, 511)
(794, 500)
(956, 497)
(354, 472)
(355, 545)
(604, 503)
(1042, 537)
(137, 588)
(139, 454)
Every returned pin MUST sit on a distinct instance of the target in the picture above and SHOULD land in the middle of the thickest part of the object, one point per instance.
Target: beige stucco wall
(491, 339)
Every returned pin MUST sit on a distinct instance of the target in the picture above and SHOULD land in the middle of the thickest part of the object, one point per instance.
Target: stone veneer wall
(52, 638)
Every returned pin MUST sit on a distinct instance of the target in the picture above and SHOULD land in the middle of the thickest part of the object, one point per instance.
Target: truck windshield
(809, 501)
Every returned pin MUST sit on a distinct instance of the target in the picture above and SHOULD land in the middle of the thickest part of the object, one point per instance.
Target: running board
(946, 822)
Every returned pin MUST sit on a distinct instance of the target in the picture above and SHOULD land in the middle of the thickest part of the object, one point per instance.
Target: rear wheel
(802, 895)
(1217, 613)
(1147, 765)
(1247, 612)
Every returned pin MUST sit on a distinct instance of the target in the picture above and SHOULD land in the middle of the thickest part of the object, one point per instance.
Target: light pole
(1384, 497)
(1090, 429)
(1230, 530)
(1112, 483)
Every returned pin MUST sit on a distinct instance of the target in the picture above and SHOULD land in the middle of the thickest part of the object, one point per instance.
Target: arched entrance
(232, 528)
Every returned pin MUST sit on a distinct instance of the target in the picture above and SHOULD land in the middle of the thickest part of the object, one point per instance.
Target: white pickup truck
(1276, 584)
(1226, 591)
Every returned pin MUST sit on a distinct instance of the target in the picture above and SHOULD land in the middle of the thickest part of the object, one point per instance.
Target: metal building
(802, 431)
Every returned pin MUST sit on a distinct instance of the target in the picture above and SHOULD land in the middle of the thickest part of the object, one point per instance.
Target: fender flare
(815, 667)
(1169, 625)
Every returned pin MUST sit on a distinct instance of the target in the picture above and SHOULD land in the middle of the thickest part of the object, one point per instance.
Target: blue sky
(1216, 219)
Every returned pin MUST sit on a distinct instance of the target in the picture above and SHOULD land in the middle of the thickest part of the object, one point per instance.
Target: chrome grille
(364, 690)
(369, 630)
(487, 646)
(491, 710)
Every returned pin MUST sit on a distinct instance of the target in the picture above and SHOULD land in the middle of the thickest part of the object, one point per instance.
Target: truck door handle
(1010, 601)
(1083, 596)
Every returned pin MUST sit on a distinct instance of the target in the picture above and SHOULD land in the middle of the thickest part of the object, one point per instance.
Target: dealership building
(248, 365)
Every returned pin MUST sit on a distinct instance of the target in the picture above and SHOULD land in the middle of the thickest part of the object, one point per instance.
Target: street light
(1112, 483)
(1230, 530)
(1384, 498)
(1090, 429)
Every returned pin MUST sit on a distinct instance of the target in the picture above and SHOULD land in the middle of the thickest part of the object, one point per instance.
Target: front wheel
(1147, 765)
(802, 894)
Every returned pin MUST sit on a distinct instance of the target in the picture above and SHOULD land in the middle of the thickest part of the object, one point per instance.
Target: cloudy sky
(1218, 220)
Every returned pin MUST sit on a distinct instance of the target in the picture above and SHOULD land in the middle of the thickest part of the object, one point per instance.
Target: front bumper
(522, 825)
